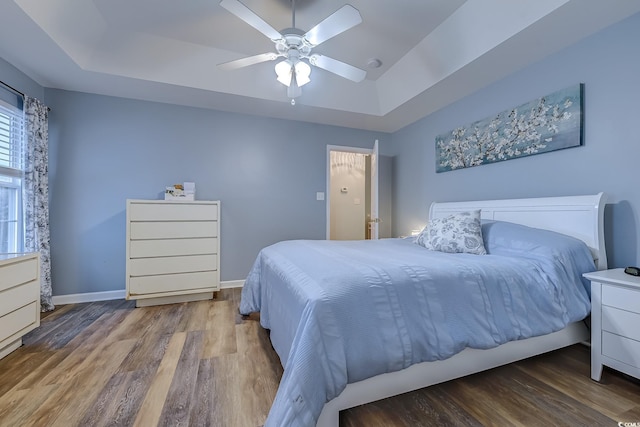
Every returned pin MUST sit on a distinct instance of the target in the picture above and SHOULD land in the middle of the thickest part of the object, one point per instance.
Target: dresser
(19, 298)
(173, 251)
(615, 322)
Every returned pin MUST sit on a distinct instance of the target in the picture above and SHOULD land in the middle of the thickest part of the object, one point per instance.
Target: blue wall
(103, 150)
(19, 81)
(266, 172)
(608, 63)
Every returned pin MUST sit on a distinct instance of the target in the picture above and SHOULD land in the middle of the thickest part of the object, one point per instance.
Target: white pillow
(456, 233)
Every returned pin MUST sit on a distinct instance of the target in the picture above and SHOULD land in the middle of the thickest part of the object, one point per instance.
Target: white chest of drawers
(172, 251)
(615, 322)
(19, 298)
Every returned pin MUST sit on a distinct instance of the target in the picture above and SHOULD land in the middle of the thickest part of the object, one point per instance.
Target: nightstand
(615, 322)
(19, 298)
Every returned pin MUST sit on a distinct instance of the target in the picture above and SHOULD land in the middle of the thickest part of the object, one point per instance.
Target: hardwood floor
(554, 389)
(201, 364)
(108, 363)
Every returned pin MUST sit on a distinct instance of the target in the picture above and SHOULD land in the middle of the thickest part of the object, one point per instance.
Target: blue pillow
(515, 240)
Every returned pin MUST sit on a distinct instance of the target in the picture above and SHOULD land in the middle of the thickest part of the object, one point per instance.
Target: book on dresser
(173, 251)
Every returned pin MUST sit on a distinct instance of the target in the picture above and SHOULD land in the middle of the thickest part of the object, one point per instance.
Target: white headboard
(581, 217)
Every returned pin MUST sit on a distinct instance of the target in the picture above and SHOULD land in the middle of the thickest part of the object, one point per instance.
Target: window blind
(11, 174)
(11, 140)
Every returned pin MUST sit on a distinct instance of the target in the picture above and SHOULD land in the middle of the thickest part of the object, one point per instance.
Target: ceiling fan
(295, 46)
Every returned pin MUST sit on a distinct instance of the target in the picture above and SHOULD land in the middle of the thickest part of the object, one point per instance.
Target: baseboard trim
(230, 284)
(119, 294)
(88, 297)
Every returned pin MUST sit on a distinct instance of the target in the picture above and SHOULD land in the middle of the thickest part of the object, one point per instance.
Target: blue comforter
(340, 312)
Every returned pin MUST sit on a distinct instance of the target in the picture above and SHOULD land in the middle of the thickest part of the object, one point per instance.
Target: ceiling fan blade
(249, 60)
(248, 16)
(338, 67)
(341, 20)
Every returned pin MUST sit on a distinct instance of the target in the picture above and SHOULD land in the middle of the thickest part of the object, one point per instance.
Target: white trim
(119, 294)
(88, 297)
(230, 284)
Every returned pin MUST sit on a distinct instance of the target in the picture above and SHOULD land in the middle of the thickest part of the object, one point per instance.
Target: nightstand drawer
(18, 273)
(626, 299)
(621, 349)
(16, 321)
(621, 322)
(19, 296)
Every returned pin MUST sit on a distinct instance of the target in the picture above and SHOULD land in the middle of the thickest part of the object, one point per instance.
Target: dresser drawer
(172, 247)
(621, 322)
(622, 349)
(18, 320)
(173, 212)
(19, 296)
(626, 299)
(207, 280)
(17, 273)
(170, 265)
(173, 230)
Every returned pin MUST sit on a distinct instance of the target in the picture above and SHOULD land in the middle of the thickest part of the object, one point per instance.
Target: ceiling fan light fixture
(294, 46)
(303, 71)
(284, 71)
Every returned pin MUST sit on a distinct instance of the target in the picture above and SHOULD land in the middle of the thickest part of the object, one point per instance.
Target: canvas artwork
(552, 122)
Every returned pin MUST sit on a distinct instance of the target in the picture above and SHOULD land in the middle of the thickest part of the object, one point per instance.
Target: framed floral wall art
(549, 123)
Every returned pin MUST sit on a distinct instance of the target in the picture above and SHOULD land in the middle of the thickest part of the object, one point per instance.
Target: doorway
(352, 199)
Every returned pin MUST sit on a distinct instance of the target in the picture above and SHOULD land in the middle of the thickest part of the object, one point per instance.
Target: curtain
(36, 192)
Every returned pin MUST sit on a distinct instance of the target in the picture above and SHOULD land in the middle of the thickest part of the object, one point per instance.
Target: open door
(352, 193)
(374, 220)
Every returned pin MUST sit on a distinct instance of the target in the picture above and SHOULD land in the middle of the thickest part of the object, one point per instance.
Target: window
(11, 178)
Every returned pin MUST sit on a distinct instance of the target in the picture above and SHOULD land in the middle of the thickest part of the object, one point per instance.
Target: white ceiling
(433, 52)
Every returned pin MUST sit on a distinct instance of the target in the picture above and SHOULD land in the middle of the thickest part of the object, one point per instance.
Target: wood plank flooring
(201, 364)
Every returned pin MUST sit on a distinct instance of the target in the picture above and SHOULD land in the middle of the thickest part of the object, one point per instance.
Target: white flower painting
(546, 124)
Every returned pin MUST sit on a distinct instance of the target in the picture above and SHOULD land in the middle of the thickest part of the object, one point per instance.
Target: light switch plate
(320, 195)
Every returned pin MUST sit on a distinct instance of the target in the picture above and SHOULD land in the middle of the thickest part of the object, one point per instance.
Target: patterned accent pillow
(456, 233)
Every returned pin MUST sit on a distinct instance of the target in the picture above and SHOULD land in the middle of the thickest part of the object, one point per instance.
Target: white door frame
(327, 198)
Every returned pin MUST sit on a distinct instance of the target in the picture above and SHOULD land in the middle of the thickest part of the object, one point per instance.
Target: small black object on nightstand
(634, 271)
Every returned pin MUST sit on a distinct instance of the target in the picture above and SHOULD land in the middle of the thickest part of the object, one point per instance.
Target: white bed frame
(576, 216)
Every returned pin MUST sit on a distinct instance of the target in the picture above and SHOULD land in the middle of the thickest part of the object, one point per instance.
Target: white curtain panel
(36, 192)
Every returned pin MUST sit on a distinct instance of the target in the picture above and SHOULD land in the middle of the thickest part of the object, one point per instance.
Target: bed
(342, 346)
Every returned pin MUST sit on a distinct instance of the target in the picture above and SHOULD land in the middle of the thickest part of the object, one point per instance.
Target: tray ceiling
(433, 52)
